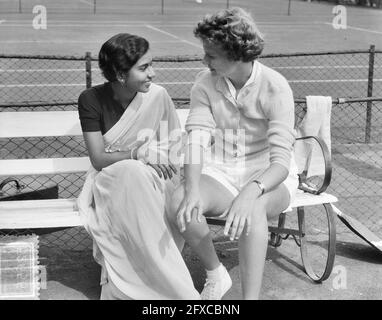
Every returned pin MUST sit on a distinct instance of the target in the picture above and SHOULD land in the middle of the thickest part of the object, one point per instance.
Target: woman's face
(140, 76)
(216, 60)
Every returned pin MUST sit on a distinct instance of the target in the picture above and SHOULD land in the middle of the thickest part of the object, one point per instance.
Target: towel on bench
(316, 122)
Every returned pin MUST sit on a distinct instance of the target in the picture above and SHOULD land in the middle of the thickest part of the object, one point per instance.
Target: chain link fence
(356, 122)
(111, 6)
(162, 6)
(365, 3)
(48, 79)
(148, 7)
(357, 166)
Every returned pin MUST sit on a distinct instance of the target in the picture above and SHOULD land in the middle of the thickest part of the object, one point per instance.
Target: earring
(121, 81)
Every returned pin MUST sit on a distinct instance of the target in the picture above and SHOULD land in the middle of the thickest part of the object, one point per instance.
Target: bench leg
(329, 245)
(276, 239)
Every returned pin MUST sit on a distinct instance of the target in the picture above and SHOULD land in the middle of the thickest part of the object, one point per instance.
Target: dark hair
(120, 53)
(235, 31)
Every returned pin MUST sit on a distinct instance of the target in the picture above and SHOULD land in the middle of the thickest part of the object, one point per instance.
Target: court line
(173, 22)
(70, 41)
(87, 2)
(333, 80)
(43, 85)
(130, 24)
(76, 25)
(356, 28)
(173, 83)
(322, 67)
(90, 22)
(179, 69)
(172, 36)
(1, 21)
(79, 70)
(161, 31)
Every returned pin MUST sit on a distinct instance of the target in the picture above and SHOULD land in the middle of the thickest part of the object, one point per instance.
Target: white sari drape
(124, 206)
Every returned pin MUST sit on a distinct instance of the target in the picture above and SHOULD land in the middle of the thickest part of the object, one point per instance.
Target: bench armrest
(304, 185)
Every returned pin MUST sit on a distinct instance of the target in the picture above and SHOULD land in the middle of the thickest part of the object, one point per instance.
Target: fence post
(88, 69)
(162, 7)
(20, 11)
(94, 6)
(289, 7)
(369, 93)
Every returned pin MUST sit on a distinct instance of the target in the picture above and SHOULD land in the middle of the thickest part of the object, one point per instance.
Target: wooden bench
(63, 212)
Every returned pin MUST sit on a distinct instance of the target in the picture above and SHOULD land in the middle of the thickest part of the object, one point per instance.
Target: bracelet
(260, 185)
(132, 153)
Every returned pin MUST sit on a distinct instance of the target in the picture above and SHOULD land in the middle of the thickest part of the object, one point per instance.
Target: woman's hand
(164, 170)
(191, 201)
(240, 212)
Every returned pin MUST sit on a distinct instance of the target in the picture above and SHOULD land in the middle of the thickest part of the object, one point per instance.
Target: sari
(123, 207)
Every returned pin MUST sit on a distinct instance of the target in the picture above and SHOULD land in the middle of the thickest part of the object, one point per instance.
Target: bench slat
(14, 167)
(39, 124)
(39, 214)
(49, 123)
(64, 213)
(304, 199)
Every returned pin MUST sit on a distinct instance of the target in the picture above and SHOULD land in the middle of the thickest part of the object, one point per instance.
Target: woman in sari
(126, 124)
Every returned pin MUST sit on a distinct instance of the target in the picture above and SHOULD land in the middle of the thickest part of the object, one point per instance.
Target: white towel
(316, 122)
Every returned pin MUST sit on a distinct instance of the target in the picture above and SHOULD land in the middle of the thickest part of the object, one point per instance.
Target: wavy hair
(120, 53)
(235, 31)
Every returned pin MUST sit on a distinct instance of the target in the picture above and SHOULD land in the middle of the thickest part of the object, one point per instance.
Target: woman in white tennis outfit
(239, 159)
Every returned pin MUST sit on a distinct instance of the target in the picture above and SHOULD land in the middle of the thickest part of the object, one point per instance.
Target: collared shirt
(257, 126)
(235, 93)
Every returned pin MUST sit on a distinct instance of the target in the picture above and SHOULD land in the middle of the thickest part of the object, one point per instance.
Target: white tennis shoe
(216, 285)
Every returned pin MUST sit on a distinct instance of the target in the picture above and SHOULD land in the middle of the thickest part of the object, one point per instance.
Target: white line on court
(172, 83)
(79, 70)
(192, 25)
(90, 22)
(69, 41)
(180, 69)
(173, 36)
(125, 24)
(143, 22)
(40, 70)
(161, 31)
(73, 84)
(49, 41)
(43, 85)
(322, 67)
(87, 2)
(1, 21)
(358, 29)
(333, 80)
(98, 25)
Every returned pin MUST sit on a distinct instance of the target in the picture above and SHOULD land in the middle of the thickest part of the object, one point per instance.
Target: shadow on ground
(74, 275)
(70, 275)
(358, 251)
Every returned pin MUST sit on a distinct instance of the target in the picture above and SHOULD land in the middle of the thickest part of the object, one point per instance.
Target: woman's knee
(269, 206)
(128, 167)
(259, 212)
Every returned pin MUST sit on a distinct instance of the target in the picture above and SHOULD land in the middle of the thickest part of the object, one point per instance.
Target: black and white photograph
(190, 154)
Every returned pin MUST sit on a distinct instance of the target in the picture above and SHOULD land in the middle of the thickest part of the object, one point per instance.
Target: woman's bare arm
(96, 149)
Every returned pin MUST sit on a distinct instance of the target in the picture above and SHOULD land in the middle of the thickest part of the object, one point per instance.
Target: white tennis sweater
(263, 111)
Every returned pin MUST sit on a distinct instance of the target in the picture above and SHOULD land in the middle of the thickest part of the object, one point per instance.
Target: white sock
(215, 273)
